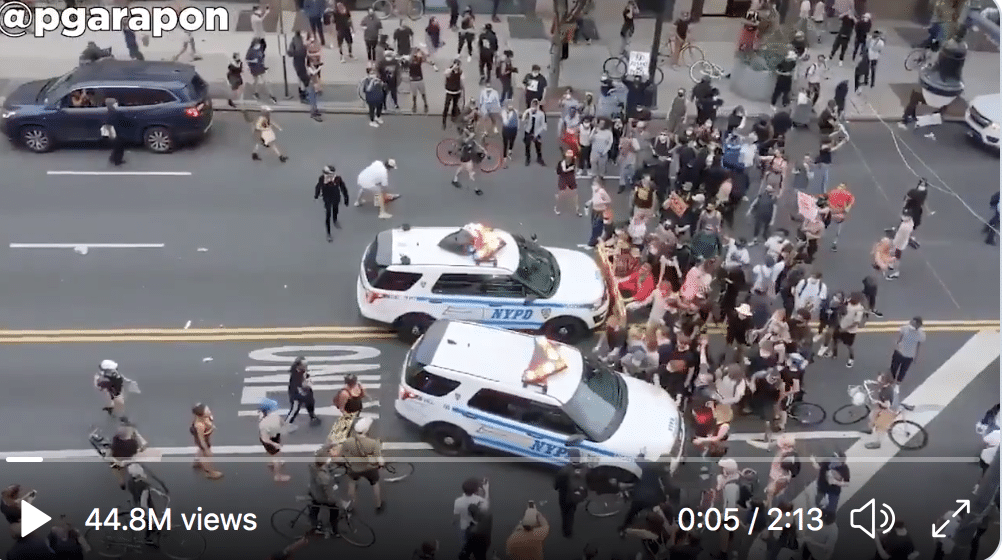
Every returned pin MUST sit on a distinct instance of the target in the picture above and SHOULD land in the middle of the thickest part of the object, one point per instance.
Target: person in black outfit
(330, 187)
(453, 10)
(115, 127)
(65, 541)
(299, 391)
(487, 53)
(861, 30)
(843, 37)
(30, 547)
(650, 490)
(477, 535)
(388, 71)
(535, 86)
(298, 52)
(994, 224)
(785, 75)
(571, 484)
(468, 32)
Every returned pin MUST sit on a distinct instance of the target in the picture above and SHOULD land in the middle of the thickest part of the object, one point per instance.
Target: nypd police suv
(412, 276)
(472, 386)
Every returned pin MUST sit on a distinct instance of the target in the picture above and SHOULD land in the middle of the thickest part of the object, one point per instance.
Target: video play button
(31, 518)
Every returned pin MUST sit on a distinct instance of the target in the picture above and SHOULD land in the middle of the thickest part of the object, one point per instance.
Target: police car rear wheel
(565, 329)
(449, 440)
(411, 326)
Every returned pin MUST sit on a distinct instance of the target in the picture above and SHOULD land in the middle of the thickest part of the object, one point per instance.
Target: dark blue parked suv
(167, 102)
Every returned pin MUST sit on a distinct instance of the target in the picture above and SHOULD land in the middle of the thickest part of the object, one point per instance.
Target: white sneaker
(357, 203)
(469, 58)
(380, 121)
(374, 124)
(384, 215)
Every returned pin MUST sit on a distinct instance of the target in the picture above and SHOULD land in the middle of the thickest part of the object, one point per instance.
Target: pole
(983, 499)
(281, 43)
(660, 14)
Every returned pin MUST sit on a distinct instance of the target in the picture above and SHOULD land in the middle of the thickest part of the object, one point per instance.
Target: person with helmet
(113, 385)
(363, 456)
(271, 428)
(374, 181)
(331, 188)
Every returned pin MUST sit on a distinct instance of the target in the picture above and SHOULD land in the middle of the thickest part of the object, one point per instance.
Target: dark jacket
(299, 55)
(862, 28)
(321, 484)
(332, 192)
(487, 43)
(374, 91)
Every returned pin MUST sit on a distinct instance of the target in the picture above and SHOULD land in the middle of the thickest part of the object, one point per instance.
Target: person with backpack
(571, 484)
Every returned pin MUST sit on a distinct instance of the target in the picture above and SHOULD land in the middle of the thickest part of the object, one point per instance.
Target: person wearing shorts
(470, 155)
(852, 317)
(271, 426)
(416, 77)
(567, 183)
(767, 389)
(364, 460)
(373, 181)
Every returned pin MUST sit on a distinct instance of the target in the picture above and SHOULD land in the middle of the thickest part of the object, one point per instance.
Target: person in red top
(840, 203)
(639, 284)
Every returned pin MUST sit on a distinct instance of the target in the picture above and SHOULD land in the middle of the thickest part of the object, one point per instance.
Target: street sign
(637, 63)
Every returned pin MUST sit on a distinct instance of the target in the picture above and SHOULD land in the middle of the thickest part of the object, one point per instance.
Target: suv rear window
(417, 377)
(197, 88)
(396, 281)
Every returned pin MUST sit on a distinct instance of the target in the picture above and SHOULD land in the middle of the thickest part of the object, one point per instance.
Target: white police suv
(412, 276)
(468, 385)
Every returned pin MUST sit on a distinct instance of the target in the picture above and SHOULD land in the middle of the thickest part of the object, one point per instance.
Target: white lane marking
(801, 435)
(88, 245)
(123, 173)
(929, 399)
(34, 459)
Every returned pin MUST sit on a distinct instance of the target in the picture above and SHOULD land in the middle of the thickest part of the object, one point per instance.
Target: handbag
(268, 136)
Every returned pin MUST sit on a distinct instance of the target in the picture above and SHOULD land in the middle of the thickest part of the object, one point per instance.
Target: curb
(222, 105)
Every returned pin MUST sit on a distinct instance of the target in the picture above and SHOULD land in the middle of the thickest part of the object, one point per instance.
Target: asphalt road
(267, 262)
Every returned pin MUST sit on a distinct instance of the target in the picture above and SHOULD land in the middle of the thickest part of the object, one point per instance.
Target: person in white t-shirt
(804, 13)
(374, 182)
(271, 428)
(474, 492)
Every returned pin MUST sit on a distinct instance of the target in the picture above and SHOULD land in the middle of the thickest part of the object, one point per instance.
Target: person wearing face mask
(372, 31)
(300, 393)
(234, 80)
(201, 428)
(601, 143)
(374, 96)
(533, 122)
(509, 130)
(535, 86)
(453, 92)
(488, 46)
(677, 112)
(505, 72)
(567, 183)
(814, 75)
(331, 188)
(584, 131)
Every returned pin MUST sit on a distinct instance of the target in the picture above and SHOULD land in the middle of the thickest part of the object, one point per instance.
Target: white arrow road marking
(88, 245)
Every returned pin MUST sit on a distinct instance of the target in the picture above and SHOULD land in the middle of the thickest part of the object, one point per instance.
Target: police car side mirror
(575, 440)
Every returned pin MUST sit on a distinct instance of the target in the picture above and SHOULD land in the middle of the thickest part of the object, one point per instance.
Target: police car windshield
(599, 403)
(537, 269)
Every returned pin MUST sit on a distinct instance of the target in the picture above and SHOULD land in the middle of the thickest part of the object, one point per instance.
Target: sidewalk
(31, 58)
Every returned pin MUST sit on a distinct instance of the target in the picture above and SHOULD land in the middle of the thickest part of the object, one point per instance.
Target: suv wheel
(411, 326)
(36, 139)
(158, 140)
(449, 440)
(568, 330)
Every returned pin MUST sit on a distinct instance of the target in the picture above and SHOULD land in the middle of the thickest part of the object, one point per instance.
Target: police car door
(519, 426)
(510, 305)
(455, 296)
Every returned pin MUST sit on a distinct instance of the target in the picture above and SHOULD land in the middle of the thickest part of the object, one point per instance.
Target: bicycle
(175, 544)
(608, 504)
(449, 153)
(387, 8)
(615, 68)
(390, 472)
(103, 446)
(689, 54)
(804, 412)
(295, 524)
(905, 434)
(705, 69)
(918, 59)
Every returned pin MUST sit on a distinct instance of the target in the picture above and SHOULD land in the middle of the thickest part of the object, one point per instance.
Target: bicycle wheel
(354, 531)
(605, 505)
(182, 545)
(448, 152)
(291, 523)
(107, 543)
(415, 10)
(395, 471)
(915, 60)
(383, 8)
(689, 55)
(492, 159)
(700, 69)
(614, 67)
(659, 76)
(907, 434)
(806, 413)
(850, 414)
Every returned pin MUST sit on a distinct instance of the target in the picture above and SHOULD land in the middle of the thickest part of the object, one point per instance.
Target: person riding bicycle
(882, 401)
(323, 489)
(467, 119)
(139, 488)
(793, 375)
(126, 444)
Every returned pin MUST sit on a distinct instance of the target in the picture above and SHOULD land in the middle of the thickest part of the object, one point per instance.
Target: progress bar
(24, 459)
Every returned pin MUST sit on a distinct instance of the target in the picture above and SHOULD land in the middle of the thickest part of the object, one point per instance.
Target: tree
(565, 16)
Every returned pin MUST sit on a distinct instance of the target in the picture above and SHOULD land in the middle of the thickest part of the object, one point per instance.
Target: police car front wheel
(449, 440)
(565, 329)
(411, 326)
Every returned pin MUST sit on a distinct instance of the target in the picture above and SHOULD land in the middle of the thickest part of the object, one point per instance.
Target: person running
(201, 428)
(902, 238)
(300, 393)
(363, 456)
(567, 183)
(112, 384)
(471, 153)
(255, 58)
(373, 181)
(331, 188)
(271, 428)
(265, 131)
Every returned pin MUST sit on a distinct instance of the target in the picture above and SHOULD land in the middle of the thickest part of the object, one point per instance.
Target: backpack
(746, 487)
(732, 157)
(577, 485)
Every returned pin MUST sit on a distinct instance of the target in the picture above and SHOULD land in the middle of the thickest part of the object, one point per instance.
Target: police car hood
(580, 278)
(652, 424)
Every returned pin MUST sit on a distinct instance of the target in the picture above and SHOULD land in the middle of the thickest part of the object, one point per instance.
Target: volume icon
(865, 518)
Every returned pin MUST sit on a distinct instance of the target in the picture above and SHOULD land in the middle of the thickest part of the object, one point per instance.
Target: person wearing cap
(488, 46)
(331, 188)
(271, 429)
(373, 181)
(785, 75)
(363, 456)
(112, 384)
(526, 541)
(202, 428)
(265, 132)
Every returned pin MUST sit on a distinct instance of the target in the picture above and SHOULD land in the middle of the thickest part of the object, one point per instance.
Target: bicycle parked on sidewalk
(615, 68)
(689, 54)
(388, 8)
(295, 524)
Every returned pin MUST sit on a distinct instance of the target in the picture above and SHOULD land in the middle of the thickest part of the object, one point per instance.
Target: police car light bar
(546, 362)
(486, 243)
